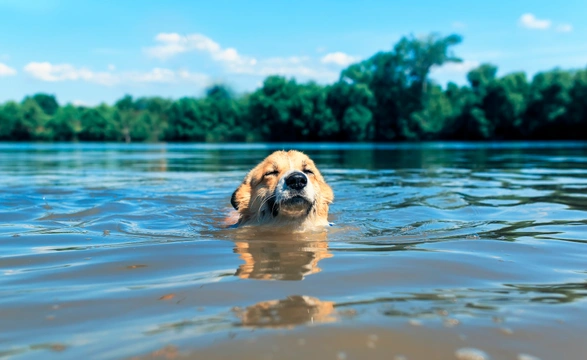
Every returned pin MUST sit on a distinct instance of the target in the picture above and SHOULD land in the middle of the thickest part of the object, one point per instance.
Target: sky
(88, 52)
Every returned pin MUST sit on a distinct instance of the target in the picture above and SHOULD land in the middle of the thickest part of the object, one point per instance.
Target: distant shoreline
(386, 98)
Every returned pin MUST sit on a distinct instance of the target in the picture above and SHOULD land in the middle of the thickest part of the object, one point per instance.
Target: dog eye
(308, 171)
(271, 173)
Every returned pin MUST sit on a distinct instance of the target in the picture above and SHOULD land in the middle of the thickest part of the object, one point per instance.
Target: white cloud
(453, 72)
(296, 66)
(196, 78)
(46, 71)
(167, 76)
(296, 71)
(530, 21)
(79, 103)
(338, 58)
(156, 75)
(233, 62)
(172, 44)
(6, 70)
(564, 28)
(450, 69)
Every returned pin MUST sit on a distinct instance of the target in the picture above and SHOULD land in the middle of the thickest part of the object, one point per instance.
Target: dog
(281, 256)
(285, 190)
(287, 313)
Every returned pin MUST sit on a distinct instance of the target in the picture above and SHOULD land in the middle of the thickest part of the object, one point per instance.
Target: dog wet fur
(285, 190)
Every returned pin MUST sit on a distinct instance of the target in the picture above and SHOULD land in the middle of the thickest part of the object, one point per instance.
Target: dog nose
(296, 181)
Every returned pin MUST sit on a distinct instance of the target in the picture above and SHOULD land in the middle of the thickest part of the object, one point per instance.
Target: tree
(47, 102)
(223, 113)
(387, 97)
(30, 124)
(420, 54)
(548, 101)
(65, 125)
(269, 109)
(576, 117)
(186, 121)
(497, 105)
(10, 114)
(125, 115)
(399, 81)
(352, 105)
(98, 124)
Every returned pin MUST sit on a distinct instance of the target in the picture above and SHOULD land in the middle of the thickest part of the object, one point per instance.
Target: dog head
(285, 189)
(287, 313)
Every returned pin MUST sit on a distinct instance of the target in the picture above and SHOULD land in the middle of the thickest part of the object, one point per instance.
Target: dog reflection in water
(271, 256)
(289, 312)
(282, 222)
(283, 256)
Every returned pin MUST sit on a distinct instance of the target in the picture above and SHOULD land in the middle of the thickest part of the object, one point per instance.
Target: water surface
(442, 250)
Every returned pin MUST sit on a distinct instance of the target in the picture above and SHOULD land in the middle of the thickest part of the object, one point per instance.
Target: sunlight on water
(117, 251)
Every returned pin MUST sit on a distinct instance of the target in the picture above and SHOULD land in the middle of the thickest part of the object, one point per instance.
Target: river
(438, 251)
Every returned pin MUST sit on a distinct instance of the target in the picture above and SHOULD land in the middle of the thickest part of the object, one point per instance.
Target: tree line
(388, 97)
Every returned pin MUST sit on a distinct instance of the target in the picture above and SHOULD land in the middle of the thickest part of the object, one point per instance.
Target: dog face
(287, 313)
(285, 189)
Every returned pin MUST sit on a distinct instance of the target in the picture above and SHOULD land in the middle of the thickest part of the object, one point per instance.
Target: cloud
(296, 66)
(296, 71)
(166, 76)
(80, 103)
(6, 70)
(564, 28)
(530, 21)
(46, 71)
(453, 72)
(156, 75)
(233, 62)
(338, 58)
(172, 44)
(196, 78)
(450, 69)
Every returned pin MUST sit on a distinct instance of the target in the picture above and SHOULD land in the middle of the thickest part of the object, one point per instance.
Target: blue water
(114, 251)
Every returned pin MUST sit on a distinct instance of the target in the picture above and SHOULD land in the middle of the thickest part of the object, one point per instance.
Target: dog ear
(241, 196)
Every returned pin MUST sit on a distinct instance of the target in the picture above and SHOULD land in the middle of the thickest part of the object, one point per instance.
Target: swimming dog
(285, 190)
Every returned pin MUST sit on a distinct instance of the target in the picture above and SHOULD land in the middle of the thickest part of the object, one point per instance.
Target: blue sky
(92, 51)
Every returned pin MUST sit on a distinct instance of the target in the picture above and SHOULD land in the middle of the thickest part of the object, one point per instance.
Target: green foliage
(10, 113)
(547, 104)
(47, 102)
(65, 125)
(30, 124)
(576, 119)
(387, 97)
(98, 124)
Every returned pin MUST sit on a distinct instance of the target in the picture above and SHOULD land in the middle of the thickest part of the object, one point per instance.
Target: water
(438, 251)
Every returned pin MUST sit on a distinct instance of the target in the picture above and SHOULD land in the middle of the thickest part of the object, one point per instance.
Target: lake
(438, 251)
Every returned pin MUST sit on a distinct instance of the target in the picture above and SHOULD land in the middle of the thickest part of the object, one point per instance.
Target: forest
(388, 97)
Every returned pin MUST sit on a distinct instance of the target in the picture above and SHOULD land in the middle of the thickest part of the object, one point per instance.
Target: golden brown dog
(287, 313)
(285, 190)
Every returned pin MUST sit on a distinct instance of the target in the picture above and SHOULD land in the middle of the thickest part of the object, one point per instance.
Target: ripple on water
(119, 251)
